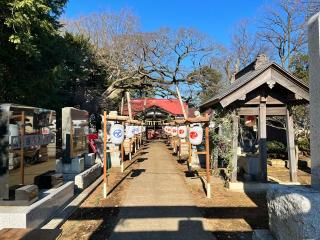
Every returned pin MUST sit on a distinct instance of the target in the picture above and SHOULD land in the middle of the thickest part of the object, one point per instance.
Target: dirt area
(233, 215)
(230, 215)
(96, 217)
(282, 173)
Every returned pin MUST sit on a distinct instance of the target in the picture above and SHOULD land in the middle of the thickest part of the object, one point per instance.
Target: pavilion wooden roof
(253, 77)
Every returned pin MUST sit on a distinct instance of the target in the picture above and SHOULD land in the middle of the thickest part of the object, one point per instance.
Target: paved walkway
(157, 204)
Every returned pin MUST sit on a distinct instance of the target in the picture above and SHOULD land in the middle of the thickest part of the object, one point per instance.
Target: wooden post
(291, 147)
(208, 162)
(122, 152)
(105, 154)
(23, 118)
(263, 138)
(122, 156)
(190, 153)
(129, 105)
(121, 107)
(131, 149)
(235, 132)
(181, 102)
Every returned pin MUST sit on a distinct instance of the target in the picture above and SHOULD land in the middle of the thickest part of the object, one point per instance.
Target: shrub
(275, 147)
(303, 144)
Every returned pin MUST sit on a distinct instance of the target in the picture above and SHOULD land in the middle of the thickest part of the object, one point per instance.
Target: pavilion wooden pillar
(235, 132)
(291, 148)
(216, 150)
(105, 156)
(263, 138)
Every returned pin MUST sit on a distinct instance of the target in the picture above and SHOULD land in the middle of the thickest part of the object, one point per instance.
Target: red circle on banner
(193, 135)
(181, 131)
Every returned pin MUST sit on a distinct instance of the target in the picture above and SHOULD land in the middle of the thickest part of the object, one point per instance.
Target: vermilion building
(153, 109)
(156, 111)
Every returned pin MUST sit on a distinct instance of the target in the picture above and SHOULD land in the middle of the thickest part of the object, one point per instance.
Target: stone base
(21, 195)
(276, 180)
(293, 212)
(262, 234)
(115, 155)
(250, 165)
(89, 159)
(75, 167)
(256, 186)
(197, 160)
(248, 186)
(84, 179)
(35, 215)
(48, 180)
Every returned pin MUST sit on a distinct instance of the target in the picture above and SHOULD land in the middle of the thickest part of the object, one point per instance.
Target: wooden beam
(246, 88)
(270, 111)
(202, 119)
(270, 101)
(136, 122)
(235, 132)
(117, 118)
(290, 85)
(291, 148)
(263, 140)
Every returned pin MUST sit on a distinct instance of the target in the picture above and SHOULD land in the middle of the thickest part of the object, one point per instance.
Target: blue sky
(216, 18)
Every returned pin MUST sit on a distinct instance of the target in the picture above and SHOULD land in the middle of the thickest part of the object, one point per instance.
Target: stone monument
(314, 79)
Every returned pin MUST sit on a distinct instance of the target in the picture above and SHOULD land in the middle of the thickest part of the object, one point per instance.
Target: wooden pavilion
(262, 89)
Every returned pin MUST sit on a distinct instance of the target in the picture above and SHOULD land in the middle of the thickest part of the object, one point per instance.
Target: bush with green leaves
(304, 144)
(276, 148)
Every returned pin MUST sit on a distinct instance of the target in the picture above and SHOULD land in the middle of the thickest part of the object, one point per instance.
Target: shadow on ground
(108, 224)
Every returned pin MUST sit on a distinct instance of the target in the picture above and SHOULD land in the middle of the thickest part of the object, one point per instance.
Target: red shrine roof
(171, 106)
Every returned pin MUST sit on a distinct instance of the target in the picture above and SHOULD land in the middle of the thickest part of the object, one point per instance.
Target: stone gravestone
(314, 76)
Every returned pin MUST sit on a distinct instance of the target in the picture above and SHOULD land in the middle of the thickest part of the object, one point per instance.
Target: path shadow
(141, 159)
(137, 172)
(141, 153)
(251, 215)
(181, 161)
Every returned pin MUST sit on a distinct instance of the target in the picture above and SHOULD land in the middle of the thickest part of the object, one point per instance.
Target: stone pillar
(314, 74)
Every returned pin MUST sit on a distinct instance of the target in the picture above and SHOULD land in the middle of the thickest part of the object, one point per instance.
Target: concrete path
(157, 204)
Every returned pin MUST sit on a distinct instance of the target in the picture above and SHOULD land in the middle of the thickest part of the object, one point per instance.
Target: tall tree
(282, 26)
(143, 60)
(81, 76)
(299, 65)
(29, 50)
(245, 44)
(208, 82)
